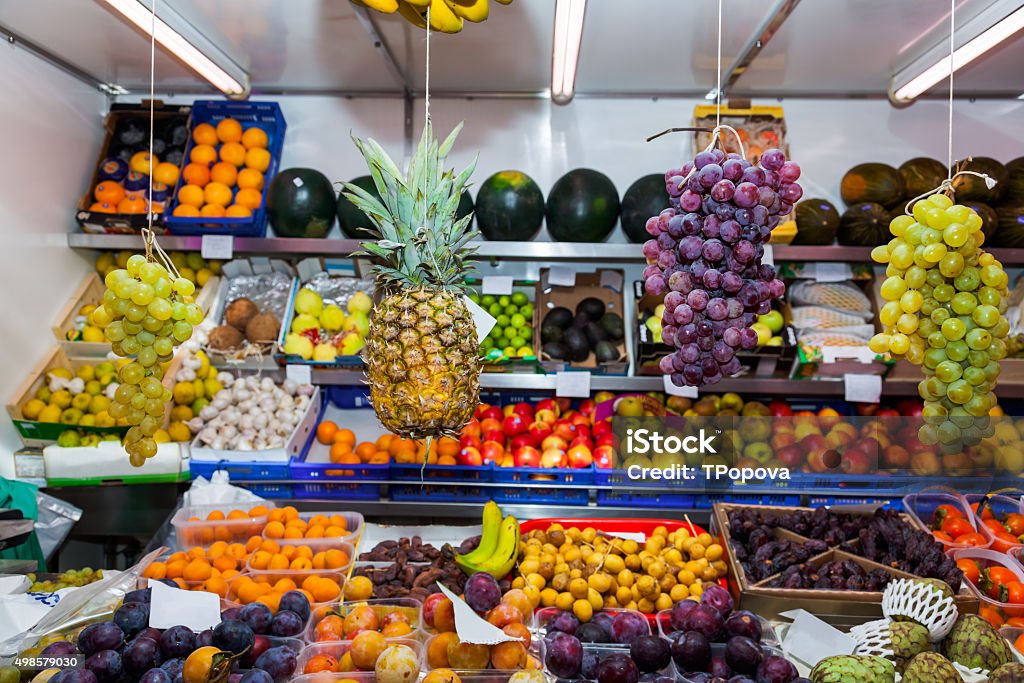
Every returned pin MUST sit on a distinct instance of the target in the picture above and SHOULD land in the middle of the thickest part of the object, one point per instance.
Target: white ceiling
(825, 48)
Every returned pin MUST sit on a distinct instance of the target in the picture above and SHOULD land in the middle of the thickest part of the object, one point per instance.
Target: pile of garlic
(251, 413)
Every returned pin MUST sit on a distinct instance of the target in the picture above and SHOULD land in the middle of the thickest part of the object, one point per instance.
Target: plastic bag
(56, 517)
(217, 490)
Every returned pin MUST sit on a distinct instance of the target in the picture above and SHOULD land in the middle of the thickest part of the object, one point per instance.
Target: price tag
(483, 320)
(863, 388)
(561, 276)
(769, 255)
(862, 354)
(498, 285)
(832, 272)
(672, 390)
(169, 607)
(218, 247)
(572, 384)
(302, 374)
(612, 279)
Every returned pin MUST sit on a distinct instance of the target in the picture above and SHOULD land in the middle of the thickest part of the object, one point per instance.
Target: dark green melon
(872, 182)
(989, 218)
(582, 206)
(301, 202)
(354, 223)
(1010, 232)
(921, 174)
(1015, 179)
(510, 207)
(817, 222)
(971, 188)
(864, 225)
(645, 198)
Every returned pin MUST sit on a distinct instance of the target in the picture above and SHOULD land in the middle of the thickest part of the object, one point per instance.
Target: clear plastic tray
(411, 607)
(768, 635)
(718, 650)
(535, 652)
(343, 546)
(1011, 634)
(1000, 507)
(201, 532)
(988, 558)
(354, 523)
(297, 576)
(545, 615)
(338, 648)
(921, 507)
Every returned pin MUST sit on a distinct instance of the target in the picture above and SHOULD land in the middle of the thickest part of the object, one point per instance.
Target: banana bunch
(446, 16)
(499, 545)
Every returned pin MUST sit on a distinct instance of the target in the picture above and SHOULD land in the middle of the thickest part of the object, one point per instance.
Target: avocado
(606, 352)
(592, 306)
(556, 350)
(595, 333)
(576, 341)
(559, 317)
(613, 325)
(550, 333)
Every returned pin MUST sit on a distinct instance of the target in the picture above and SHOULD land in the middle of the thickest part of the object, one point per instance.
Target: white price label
(863, 388)
(302, 374)
(769, 256)
(574, 384)
(832, 272)
(483, 320)
(220, 247)
(561, 276)
(498, 285)
(169, 607)
(612, 279)
(672, 390)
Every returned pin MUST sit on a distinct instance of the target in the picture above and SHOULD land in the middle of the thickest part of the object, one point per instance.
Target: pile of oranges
(276, 557)
(127, 193)
(203, 534)
(285, 523)
(224, 176)
(344, 450)
(268, 588)
(201, 569)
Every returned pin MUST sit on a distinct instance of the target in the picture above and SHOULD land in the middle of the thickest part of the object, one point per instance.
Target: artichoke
(973, 643)
(860, 668)
(931, 667)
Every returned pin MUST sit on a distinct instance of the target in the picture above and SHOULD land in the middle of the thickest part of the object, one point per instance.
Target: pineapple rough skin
(423, 364)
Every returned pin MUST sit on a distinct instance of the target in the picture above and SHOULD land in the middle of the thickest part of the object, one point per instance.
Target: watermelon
(509, 206)
(1010, 232)
(582, 206)
(971, 188)
(645, 198)
(354, 223)
(875, 183)
(1015, 181)
(817, 222)
(301, 202)
(921, 174)
(864, 225)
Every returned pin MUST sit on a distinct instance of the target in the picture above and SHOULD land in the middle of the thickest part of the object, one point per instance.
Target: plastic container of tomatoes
(938, 511)
(1003, 596)
(1001, 516)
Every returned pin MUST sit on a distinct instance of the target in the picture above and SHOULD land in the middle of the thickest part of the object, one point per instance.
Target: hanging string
(718, 72)
(152, 88)
(947, 185)
(952, 32)
(426, 78)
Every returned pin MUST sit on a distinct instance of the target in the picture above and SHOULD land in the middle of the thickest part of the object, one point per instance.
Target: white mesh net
(920, 602)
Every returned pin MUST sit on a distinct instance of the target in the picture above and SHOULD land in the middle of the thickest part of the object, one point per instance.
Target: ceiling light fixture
(980, 34)
(565, 53)
(223, 74)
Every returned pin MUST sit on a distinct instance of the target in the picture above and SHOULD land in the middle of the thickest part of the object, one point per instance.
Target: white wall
(50, 133)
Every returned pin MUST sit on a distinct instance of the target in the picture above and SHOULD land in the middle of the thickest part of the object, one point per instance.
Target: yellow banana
(411, 14)
(470, 10)
(504, 558)
(383, 6)
(442, 18)
(423, 4)
(489, 537)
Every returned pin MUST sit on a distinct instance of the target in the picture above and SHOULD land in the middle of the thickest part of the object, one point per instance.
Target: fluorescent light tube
(139, 14)
(565, 53)
(987, 30)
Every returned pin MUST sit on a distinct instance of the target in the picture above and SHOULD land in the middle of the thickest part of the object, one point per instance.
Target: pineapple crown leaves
(418, 240)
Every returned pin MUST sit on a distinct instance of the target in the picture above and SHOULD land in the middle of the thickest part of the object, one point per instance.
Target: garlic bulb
(225, 378)
(290, 386)
(208, 413)
(267, 385)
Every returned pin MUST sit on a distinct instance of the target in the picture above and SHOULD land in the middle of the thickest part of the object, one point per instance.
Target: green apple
(763, 333)
(773, 319)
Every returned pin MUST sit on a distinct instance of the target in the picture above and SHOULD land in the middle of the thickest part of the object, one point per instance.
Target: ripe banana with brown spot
(382, 6)
(470, 10)
(411, 14)
(442, 18)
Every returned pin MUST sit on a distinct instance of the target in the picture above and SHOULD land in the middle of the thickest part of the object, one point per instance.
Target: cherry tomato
(993, 579)
(970, 568)
(973, 539)
(957, 526)
(944, 511)
(1004, 541)
(993, 524)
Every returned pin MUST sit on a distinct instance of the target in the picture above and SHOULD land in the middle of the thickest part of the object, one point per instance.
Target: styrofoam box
(108, 460)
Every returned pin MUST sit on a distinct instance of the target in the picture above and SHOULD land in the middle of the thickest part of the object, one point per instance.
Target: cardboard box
(760, 127)
(606, 284)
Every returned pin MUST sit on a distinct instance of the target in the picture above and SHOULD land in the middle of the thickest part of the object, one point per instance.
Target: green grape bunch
(146, 312)
(945, 311)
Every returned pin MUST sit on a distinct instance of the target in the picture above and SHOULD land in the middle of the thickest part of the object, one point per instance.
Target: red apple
(565, 429)
(910, 408)
(493, 413)
(495, 435)
(856, 461)
(481, 408)
(782, 439)
(579, 456)
(489, 424)
(887, 412)
(545, 415)
(520, 440)
(813, 442)
(548, 404)
(790, 455)
(469, 456)
(823, 459)
(604, 457)
(553, 458)
(896, 458)
(469, 440)
(780, 409)
(554, 441)
(563, 404)
(492, 451)
(606, 440)
(429, 605)
(472, 428)
(527, 456)
(587, 406)
(602, 427)
(602, 396)
(837, 438)
(515, 424)
(583, 430)
(524, 409)
(539, 430)
(581, 441)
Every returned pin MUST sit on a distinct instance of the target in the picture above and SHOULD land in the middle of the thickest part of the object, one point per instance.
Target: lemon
(203, 276)
(103, 419)
(91, 333)
(50, 413)
(177, 431)
(160, 436)
(211, 386)
(32, 408)
(204, 365)
(98, 404)
(199, 388)
(93, 387)
(105, 261)
(87, 421)
(184, 393)
(181, 414)
(61, 398)
(86, 372)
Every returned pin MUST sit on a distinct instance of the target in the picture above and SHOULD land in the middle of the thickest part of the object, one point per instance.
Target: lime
(474, 297)
(502, 321)
(511, 310)
(510, 331)
(488, 300)
(501, 342)
(504, 301)
(527, 310)
(517, 342)
(519, 298)
(494, 310)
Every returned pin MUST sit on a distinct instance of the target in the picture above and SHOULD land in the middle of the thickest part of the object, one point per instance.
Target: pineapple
(421, 352)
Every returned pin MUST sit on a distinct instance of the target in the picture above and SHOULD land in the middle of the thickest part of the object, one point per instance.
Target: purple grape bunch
(705, 254)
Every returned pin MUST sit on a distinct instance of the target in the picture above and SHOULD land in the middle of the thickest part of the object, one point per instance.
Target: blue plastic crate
(644, 499)
(620, 478)
(439, 493)
(583, 476)
(265, 115)
(860, 484)
(278, 491)
(539, 495)
(241, 471)
(417, 472)
(828, 501)
(301, 470)
(336, 490)
(348, 397)
(705, 501)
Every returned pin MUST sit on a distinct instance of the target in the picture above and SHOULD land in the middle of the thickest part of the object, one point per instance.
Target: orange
(216, 584)
(257, 158)
(447, 446)
(250, 177)
(365, 450)
(345, 436)
(203, 154)
(253, 543)
(196, 174)
(234, 153)
(249, 197)
(338, 450)
(258, 511)
(132, 205)
(165, 173)
(278, 562)
(212, 211)
(186, 211)
(156, 570)
(272, 547)
(446, 460)
(349, 458)
(142, 163)
(293, 532)
(324, 590)
(325, 431)
(300, 564)
(260, 559)
(274, 530)
(384, 441)
(197, 570)
(379, 458)
(217, 193)
(191, 195)
(335, 559)
(225, 173)
(284, 585)
(254, 137)
(236, 211)
(109, 192)
(103, 207)
(204, 134)
(229, 130)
